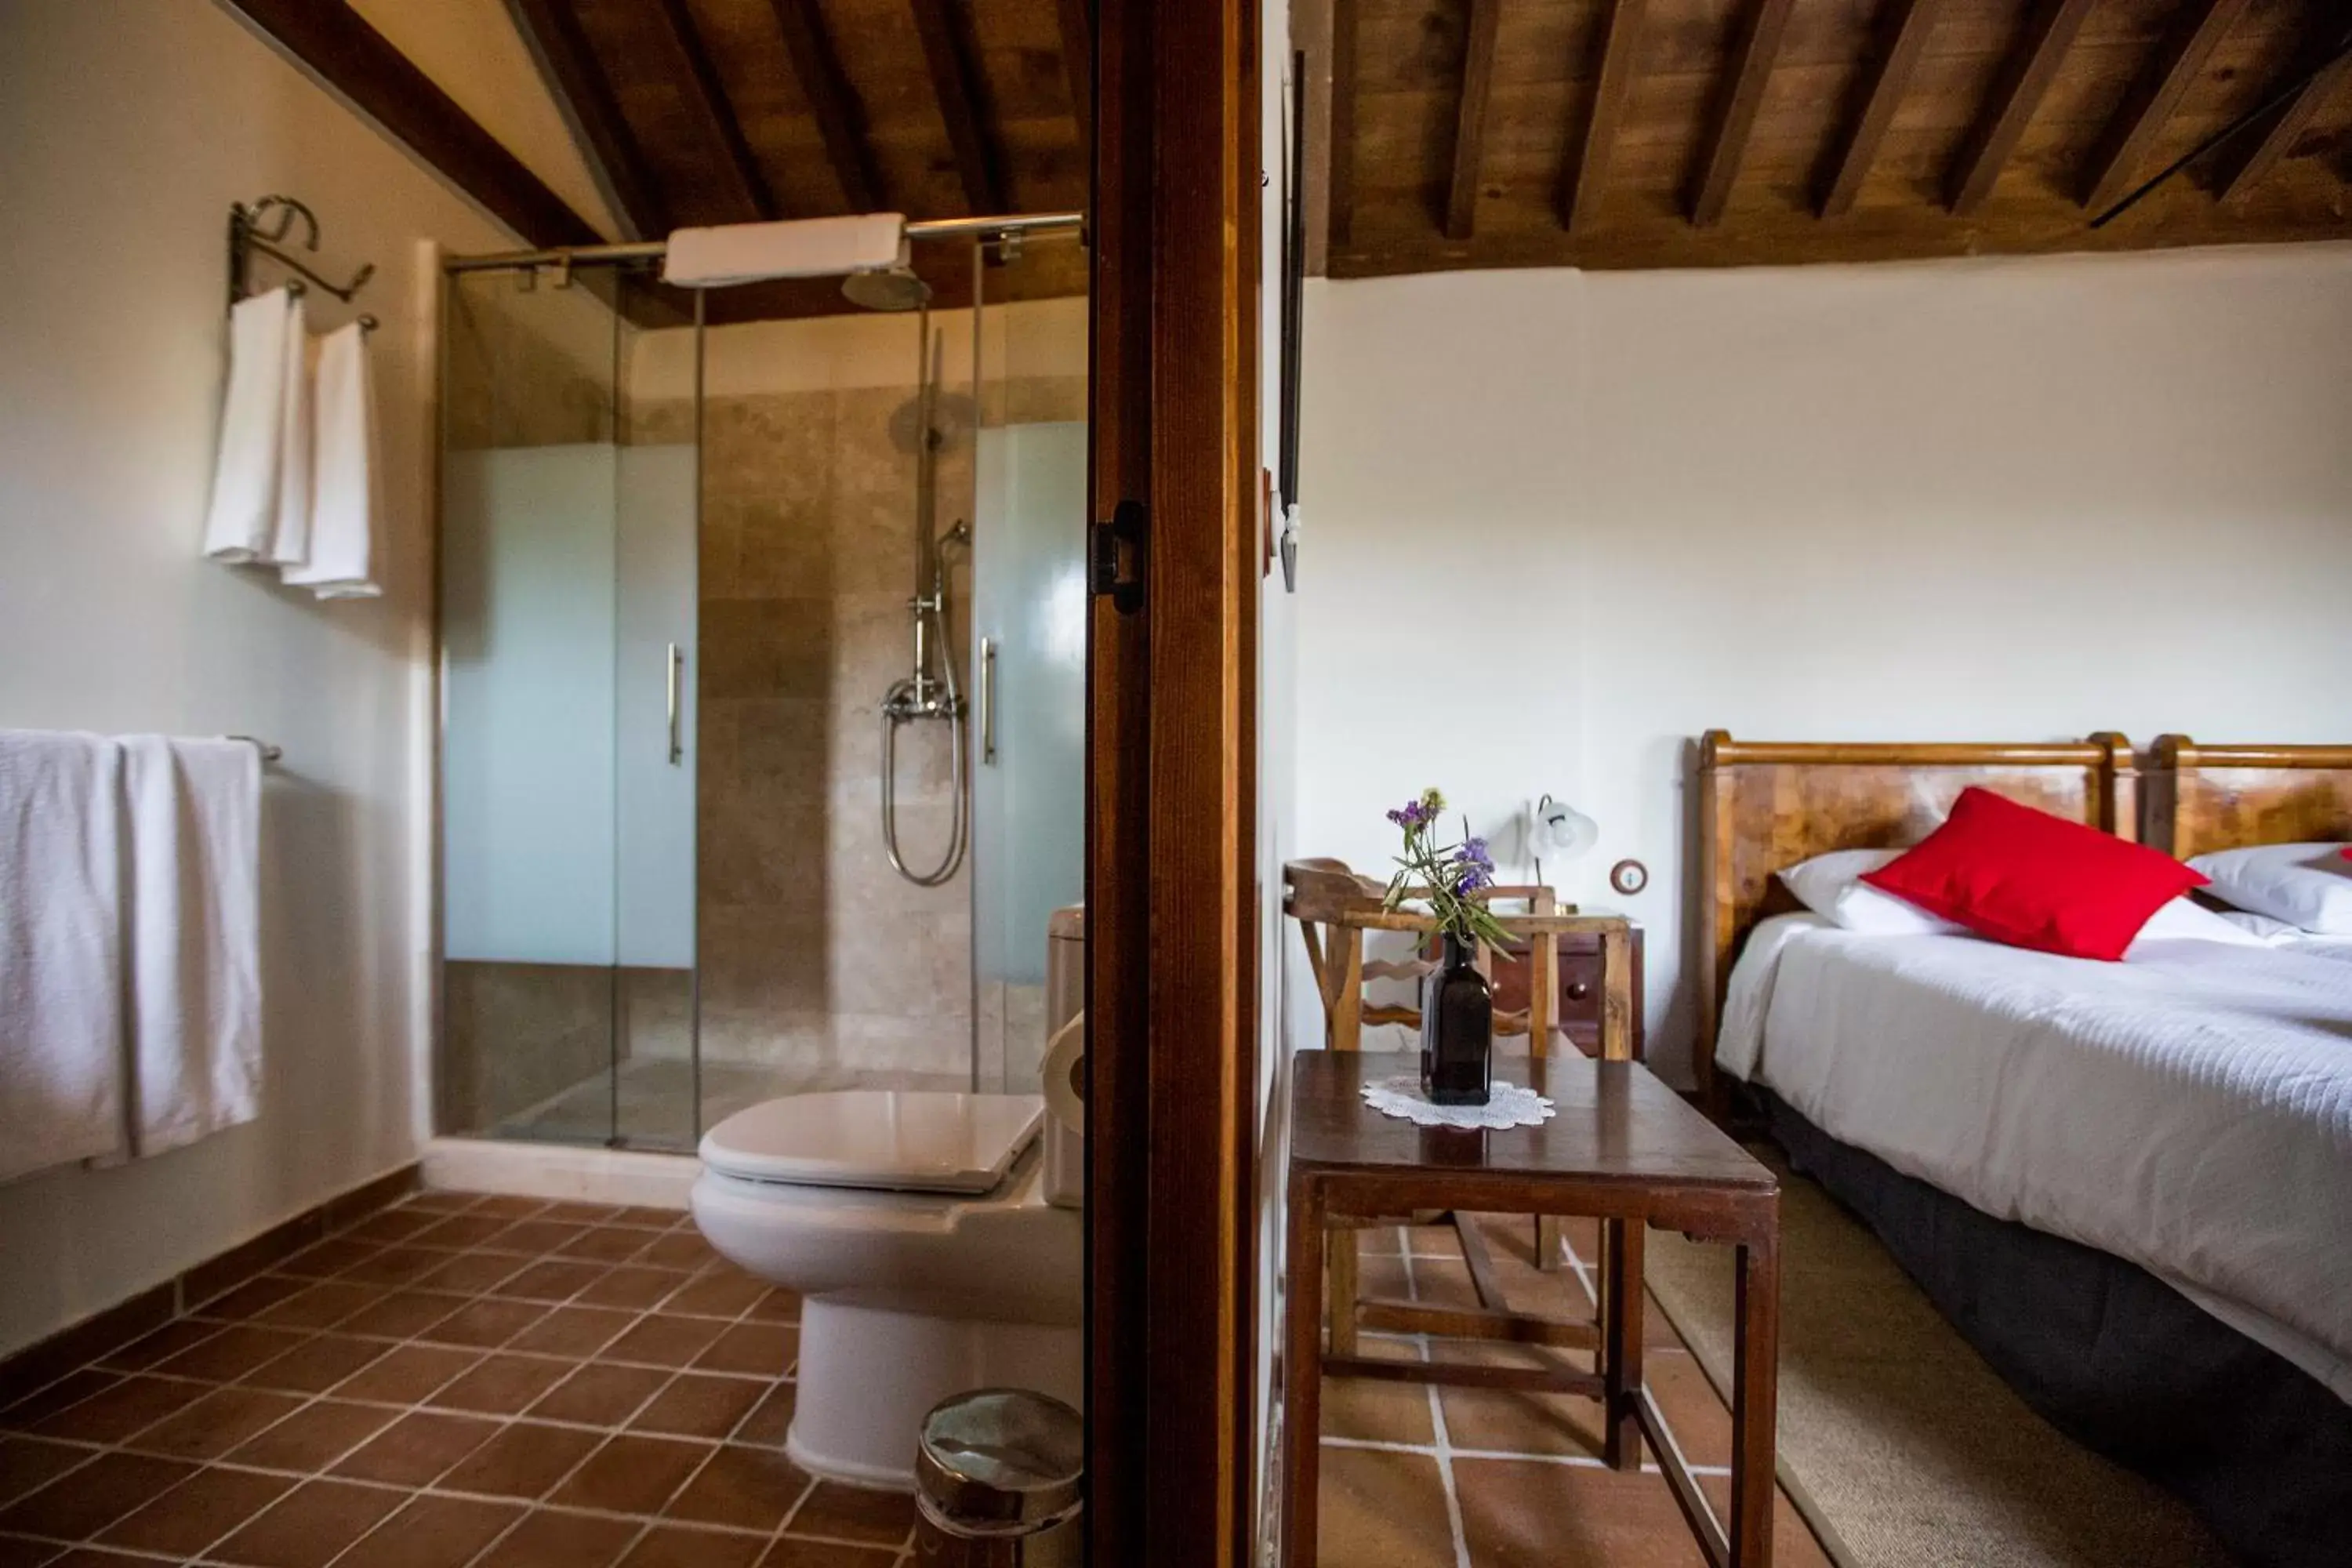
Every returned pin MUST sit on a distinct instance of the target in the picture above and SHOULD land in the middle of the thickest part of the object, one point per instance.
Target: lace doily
(1508, 1105)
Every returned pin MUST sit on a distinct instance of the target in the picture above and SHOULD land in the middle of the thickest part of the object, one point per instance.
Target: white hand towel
(804, 248)
(289, 537)
(194, 936)
(61, 1027)
(344, 473)
(245, 470)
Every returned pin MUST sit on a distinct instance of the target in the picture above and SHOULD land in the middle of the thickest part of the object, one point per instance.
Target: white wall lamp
(1558, 830)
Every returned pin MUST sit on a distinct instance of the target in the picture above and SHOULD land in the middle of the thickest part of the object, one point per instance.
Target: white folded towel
(194, 937)
(289, 536)
(61, 1025)
(247, 469)
(804, 248)
(344, 473)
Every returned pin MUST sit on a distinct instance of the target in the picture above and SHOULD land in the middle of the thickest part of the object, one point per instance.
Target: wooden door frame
(1172, 785)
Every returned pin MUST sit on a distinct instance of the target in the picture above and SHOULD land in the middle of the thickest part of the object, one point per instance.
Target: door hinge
(1117, 557)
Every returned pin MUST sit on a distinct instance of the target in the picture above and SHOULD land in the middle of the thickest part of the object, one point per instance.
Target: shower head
(892, 289)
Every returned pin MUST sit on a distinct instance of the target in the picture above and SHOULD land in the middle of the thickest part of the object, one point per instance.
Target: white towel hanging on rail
(61, 1023)
(193, 809)
(795, 247)
(289, 536)
(247, 469)
(344, 473)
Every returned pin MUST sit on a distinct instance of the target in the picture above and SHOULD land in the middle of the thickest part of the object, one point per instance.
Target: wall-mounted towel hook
(286, 209)
(261, 227)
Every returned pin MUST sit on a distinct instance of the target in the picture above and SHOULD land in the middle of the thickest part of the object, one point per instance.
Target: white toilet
(916, 1228)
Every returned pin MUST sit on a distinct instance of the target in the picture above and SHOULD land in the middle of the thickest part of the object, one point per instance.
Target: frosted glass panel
(1029, 601)
(656, 610)
(528, 564)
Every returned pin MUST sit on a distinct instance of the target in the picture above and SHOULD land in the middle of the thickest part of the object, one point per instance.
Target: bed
(2129, 1185)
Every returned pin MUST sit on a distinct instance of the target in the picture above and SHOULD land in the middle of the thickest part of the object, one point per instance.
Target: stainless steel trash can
(997, 1477)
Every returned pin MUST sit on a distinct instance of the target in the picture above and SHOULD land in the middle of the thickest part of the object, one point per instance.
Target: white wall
(126, 129)
(1558, 524)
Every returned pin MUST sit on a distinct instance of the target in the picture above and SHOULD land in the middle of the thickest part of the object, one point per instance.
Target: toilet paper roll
(1065, 1056)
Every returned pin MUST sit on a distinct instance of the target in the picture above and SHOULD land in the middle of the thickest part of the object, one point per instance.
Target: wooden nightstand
(1581, 984)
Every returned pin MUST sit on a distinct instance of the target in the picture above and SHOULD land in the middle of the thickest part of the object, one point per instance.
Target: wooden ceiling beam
(2267, 140)
(551, 28)
(955, 81)
(2155, 92)
(1470, 118)
(1762, 22)
(1341, 185)
(832, 101)
(1612, 84)
(336, 45)
(2017, 92)
(1904, 35)
(710, 93)
(1075, 19)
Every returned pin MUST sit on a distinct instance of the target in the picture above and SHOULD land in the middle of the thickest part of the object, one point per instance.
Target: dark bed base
(2116, 1360)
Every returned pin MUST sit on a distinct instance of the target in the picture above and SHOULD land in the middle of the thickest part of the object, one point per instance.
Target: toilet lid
(895, 1139)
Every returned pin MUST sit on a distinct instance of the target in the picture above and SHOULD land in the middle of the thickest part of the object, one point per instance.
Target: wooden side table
(1624, 1149)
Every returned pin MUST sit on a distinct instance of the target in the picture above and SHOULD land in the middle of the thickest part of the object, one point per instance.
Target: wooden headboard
(1763, 807)
(2204, 798)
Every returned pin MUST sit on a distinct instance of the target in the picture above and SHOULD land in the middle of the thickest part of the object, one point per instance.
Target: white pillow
(2184, 920)
(1831, 887)
(2306, 885)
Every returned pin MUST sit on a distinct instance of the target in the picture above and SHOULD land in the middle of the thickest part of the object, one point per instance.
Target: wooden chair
(1334, 907)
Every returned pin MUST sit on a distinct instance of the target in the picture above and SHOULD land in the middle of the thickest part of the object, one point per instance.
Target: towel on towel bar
(62, 1024)
(265, 342)
(344, 473)
(290, 534)
(194, 808)
(803, 247)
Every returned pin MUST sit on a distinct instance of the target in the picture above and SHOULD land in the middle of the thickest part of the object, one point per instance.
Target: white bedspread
(2189, 1109)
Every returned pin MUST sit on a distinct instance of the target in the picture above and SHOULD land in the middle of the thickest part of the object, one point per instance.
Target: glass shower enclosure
(682, 565)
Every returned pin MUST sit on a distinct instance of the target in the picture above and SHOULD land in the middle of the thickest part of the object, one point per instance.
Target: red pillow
(2032, 880)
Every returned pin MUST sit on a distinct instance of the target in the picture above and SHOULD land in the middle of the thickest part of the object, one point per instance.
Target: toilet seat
(877, 1139)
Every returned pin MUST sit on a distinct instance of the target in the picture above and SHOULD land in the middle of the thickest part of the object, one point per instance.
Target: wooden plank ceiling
(1631, 133)
(715, 111)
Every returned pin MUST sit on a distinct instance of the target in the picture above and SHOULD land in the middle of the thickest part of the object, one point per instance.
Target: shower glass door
(568, 572)
(1028, 654)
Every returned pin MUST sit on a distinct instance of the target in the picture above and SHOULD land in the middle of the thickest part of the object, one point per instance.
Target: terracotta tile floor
(459, 1380)
(1464, 1478)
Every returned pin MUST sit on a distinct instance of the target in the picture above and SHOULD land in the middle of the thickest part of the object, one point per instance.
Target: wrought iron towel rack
(261, 229)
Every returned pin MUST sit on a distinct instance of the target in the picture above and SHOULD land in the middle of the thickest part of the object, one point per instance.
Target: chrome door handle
(672, 682)
(988, 701)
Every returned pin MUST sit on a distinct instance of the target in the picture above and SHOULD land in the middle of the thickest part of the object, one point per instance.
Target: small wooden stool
(1624, 1149)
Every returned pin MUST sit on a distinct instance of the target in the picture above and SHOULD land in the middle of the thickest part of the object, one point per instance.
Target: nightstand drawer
(1580, 990)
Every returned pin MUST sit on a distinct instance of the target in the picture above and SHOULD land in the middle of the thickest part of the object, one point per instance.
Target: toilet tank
(1066, 997)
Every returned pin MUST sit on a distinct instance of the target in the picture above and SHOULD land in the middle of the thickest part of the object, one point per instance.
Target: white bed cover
(2189, 1109)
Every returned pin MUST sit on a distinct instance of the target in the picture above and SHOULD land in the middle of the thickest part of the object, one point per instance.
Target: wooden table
(1624, 1149)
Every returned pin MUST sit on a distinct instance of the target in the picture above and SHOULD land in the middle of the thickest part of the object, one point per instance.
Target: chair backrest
(1335, 907)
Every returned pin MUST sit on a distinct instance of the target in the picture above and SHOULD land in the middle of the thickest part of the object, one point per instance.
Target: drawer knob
(1578, 990)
